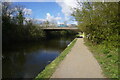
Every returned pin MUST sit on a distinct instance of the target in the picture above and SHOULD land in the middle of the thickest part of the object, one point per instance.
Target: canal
(26, 60)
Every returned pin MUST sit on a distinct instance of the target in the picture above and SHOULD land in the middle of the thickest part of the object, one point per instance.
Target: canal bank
(50, 69)
(78, 63)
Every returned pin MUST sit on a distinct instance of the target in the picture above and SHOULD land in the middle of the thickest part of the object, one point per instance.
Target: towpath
(79, 63)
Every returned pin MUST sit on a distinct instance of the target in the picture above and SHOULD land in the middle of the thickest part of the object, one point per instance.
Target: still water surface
(28, 59)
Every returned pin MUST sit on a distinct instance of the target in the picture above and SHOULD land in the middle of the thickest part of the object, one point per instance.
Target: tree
(13, 27)
(99, 21)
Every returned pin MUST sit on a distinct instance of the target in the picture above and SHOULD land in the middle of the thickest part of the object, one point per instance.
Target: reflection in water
(28, 59)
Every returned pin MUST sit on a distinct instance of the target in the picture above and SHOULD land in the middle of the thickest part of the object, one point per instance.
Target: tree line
(15, 27)
(99, 21)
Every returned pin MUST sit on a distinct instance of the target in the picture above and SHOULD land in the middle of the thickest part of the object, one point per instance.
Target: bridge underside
(61, 29)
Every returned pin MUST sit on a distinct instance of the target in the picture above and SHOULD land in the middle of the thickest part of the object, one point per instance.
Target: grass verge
(50, 69)
(107, 57)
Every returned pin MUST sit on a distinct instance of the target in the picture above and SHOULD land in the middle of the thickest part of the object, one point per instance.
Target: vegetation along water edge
(49, 70)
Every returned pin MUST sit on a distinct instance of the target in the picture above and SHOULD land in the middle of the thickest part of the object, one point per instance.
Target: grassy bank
(107, 58)
(50, 69)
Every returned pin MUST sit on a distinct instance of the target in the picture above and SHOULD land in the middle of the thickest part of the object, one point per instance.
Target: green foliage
(15, 27)
(99, 21)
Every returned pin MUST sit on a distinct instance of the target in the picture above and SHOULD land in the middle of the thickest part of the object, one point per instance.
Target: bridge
(60, 28)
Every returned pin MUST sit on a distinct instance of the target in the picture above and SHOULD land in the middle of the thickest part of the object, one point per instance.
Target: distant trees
(99, 21)
(15, 27)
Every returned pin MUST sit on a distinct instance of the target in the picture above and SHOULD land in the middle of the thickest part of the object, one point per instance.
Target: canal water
(26, 60)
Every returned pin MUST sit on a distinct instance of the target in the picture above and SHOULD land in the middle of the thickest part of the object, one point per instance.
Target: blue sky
(47, 10)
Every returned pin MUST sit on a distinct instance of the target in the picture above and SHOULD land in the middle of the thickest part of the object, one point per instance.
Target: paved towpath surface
(79, 63)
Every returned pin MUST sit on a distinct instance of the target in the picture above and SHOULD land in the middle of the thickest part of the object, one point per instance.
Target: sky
(58, 12)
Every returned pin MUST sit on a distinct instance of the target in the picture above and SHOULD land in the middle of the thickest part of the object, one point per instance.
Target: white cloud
(57, 18)
(27, 18)
(58, 22)
(58, 0)
(11, 15)
(27, 11)
(29, 1)
(67, 6)
(24, 10)
(40, 20)
(51, 18)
